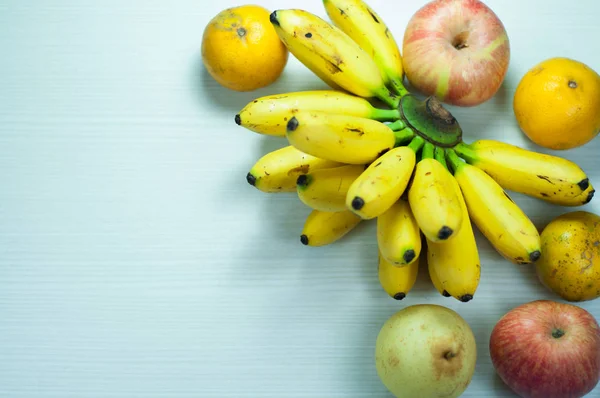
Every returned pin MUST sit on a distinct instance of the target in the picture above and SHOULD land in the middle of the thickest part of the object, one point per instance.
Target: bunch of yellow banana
(350, 160)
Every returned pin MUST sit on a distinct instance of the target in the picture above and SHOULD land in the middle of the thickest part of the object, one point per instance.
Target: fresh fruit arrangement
(368, 149)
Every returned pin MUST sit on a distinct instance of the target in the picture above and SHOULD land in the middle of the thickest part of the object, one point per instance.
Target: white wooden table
(135, 260)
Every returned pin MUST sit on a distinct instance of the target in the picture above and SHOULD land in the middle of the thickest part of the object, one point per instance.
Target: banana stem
(440, 156)
(403, 136)
(428, 149)
(454, 160)
(385, 115)
(398, 87)
(464, 151)
(397, 125)
(416, 143)
(388, 97)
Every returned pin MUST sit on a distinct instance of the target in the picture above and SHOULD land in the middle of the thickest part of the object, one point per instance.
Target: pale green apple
(426, 351)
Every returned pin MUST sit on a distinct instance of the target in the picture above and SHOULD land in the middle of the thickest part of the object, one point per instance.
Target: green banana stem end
(440, 156)
(403, 136)
(416, 143)
(428, 151)
(466, 152)
(385, 115)
(454, 160)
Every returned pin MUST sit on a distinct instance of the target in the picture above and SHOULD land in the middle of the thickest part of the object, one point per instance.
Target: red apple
(457, 50)
(547, 349)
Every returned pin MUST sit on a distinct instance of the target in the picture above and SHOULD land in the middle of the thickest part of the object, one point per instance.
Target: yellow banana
(331, 54)
(277, 171)
(323, 227)
(456, 262)
(547, 177)
(367, 28)
(398, 234)
(397, 281)
(269, 114)
(325, 189)
(435, 280)
(346, 139)
(499, 219)
(433, 200)
(383, 182)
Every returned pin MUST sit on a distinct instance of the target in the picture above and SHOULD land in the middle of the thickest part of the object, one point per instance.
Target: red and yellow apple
(457, 50)
(547, 349)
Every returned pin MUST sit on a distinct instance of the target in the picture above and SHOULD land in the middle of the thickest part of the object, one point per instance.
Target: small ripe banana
(367, 28)
(278, 171)
(456, 262)
(435, 280)
(326, 189)
(398, 234)
(345, 139)
(383, 182)
(550, 178)
(269, 114)
(397, 281)
(497, 216)
(434, 202)
(324, 227)
(331, 54)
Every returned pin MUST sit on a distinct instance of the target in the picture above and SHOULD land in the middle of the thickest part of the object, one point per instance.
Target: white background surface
(135, 260)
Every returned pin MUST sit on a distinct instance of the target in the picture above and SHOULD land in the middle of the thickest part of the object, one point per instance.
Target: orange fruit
(557, 104)
(241, 50)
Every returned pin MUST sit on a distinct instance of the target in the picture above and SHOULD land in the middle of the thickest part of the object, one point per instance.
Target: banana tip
(399, 296)
(302, 180)
(589, 197)
(409, 256)
(293, 124)
(444, 233)
(238, 119)
(358, 203)
(466, 298)
(584, 184)
(273, 18)
(445, 293)
(534, 256)
(251, 179)
(304, 239)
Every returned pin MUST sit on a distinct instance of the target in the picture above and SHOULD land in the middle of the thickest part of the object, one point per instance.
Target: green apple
(424, 351)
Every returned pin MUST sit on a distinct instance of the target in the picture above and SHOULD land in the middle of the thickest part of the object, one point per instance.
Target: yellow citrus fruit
(557, 104)
(241, 50)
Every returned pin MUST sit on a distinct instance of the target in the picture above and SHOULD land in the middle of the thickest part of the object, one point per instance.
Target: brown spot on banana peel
(359, 131)
(308, 35)
(545, 178)
(299, 170)
(373, 16)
